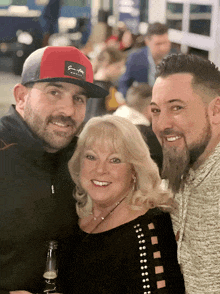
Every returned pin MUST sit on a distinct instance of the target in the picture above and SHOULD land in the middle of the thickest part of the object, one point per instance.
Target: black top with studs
(137, 257)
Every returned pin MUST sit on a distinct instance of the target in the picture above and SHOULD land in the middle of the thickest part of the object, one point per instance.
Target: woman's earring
(134, 188)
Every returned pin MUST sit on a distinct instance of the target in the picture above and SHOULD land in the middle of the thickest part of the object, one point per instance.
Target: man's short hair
(204, 71)
(139, 96)
(156, 28)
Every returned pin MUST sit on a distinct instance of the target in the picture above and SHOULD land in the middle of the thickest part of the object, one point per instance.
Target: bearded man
(37, 138)
(186, 120)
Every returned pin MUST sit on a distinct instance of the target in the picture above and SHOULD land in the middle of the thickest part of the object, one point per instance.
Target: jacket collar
(16, 131)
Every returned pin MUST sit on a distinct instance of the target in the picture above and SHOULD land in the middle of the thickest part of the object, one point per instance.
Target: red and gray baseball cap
(61, 64)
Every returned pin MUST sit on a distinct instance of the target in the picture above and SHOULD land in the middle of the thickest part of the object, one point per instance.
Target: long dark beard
(176, 163)
(175, 166)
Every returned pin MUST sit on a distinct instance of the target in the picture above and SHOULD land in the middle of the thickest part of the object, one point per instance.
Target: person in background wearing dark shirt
(141, 65)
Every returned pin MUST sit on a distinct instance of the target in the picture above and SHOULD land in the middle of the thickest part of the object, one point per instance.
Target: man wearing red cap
(37, 138)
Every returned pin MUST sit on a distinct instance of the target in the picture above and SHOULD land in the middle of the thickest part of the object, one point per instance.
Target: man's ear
(215, 110)
(20, 94)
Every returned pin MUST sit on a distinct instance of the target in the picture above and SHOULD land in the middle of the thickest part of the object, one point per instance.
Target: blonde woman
(124, 243)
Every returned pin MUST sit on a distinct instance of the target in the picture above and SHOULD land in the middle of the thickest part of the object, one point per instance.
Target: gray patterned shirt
(198, 220)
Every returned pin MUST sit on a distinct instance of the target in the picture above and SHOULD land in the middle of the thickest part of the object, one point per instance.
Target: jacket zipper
(52, 186)
(52, 189)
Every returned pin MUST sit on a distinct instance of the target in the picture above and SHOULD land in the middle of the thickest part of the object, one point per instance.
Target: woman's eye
(115, 160)
(90, 157)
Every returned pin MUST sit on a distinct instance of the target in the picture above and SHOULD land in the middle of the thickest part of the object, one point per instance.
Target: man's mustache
(168, 132)
(62, 119)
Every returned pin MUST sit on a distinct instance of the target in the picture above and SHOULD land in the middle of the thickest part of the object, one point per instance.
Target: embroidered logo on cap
(75, 70)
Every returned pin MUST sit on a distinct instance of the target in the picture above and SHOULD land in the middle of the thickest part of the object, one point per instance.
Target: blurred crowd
(124, 64)
(110, 49)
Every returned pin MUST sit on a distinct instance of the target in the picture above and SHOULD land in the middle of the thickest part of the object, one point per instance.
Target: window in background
(79, 3)
(111, 5)
(19, 2)
(174, 15)
(41, 2)
(144, 10)
(200, 19)
(175, 47)
(200, 52)
(5, 2)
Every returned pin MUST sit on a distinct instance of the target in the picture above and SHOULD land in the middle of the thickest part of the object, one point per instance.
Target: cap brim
(93, 90)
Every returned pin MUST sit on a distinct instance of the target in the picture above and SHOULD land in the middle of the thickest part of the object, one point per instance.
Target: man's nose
(67, 106)
(163, 122)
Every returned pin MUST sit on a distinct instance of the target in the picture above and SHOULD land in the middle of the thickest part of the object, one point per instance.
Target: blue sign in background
(129, 13)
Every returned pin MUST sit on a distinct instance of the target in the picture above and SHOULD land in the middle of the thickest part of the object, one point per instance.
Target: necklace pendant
(102, 218)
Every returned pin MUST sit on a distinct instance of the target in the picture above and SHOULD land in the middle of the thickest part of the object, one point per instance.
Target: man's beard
(175, 166)
(52, 140)
(176, 163)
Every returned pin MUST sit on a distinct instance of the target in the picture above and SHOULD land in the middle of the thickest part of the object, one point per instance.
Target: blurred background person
(108, 67)
(114, 40)
(49, 20)
(96, 41)
(128, 41)
(138, 110)
(141, 65)
(103, 36)
(121, 37)
(125, 243)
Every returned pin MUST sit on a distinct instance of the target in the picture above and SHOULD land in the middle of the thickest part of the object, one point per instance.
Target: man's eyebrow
(54, 84)
(84, 92)
(175, 100)
(169, 101)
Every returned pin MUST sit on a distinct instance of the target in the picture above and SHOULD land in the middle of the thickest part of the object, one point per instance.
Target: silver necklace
(104, 217)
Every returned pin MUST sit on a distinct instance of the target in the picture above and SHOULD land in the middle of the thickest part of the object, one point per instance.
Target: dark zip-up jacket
(36, 203)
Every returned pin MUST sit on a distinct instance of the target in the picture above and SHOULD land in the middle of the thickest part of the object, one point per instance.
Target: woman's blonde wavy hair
(124, 138)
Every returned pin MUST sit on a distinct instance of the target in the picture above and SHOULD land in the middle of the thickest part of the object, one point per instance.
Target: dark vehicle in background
(18, 34)
(25, 24)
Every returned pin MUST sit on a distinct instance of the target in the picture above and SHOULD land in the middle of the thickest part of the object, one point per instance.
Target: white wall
(157, 11)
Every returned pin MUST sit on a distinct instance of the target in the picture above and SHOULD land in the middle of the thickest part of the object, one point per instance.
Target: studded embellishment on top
(159, 270)
(143, 259)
